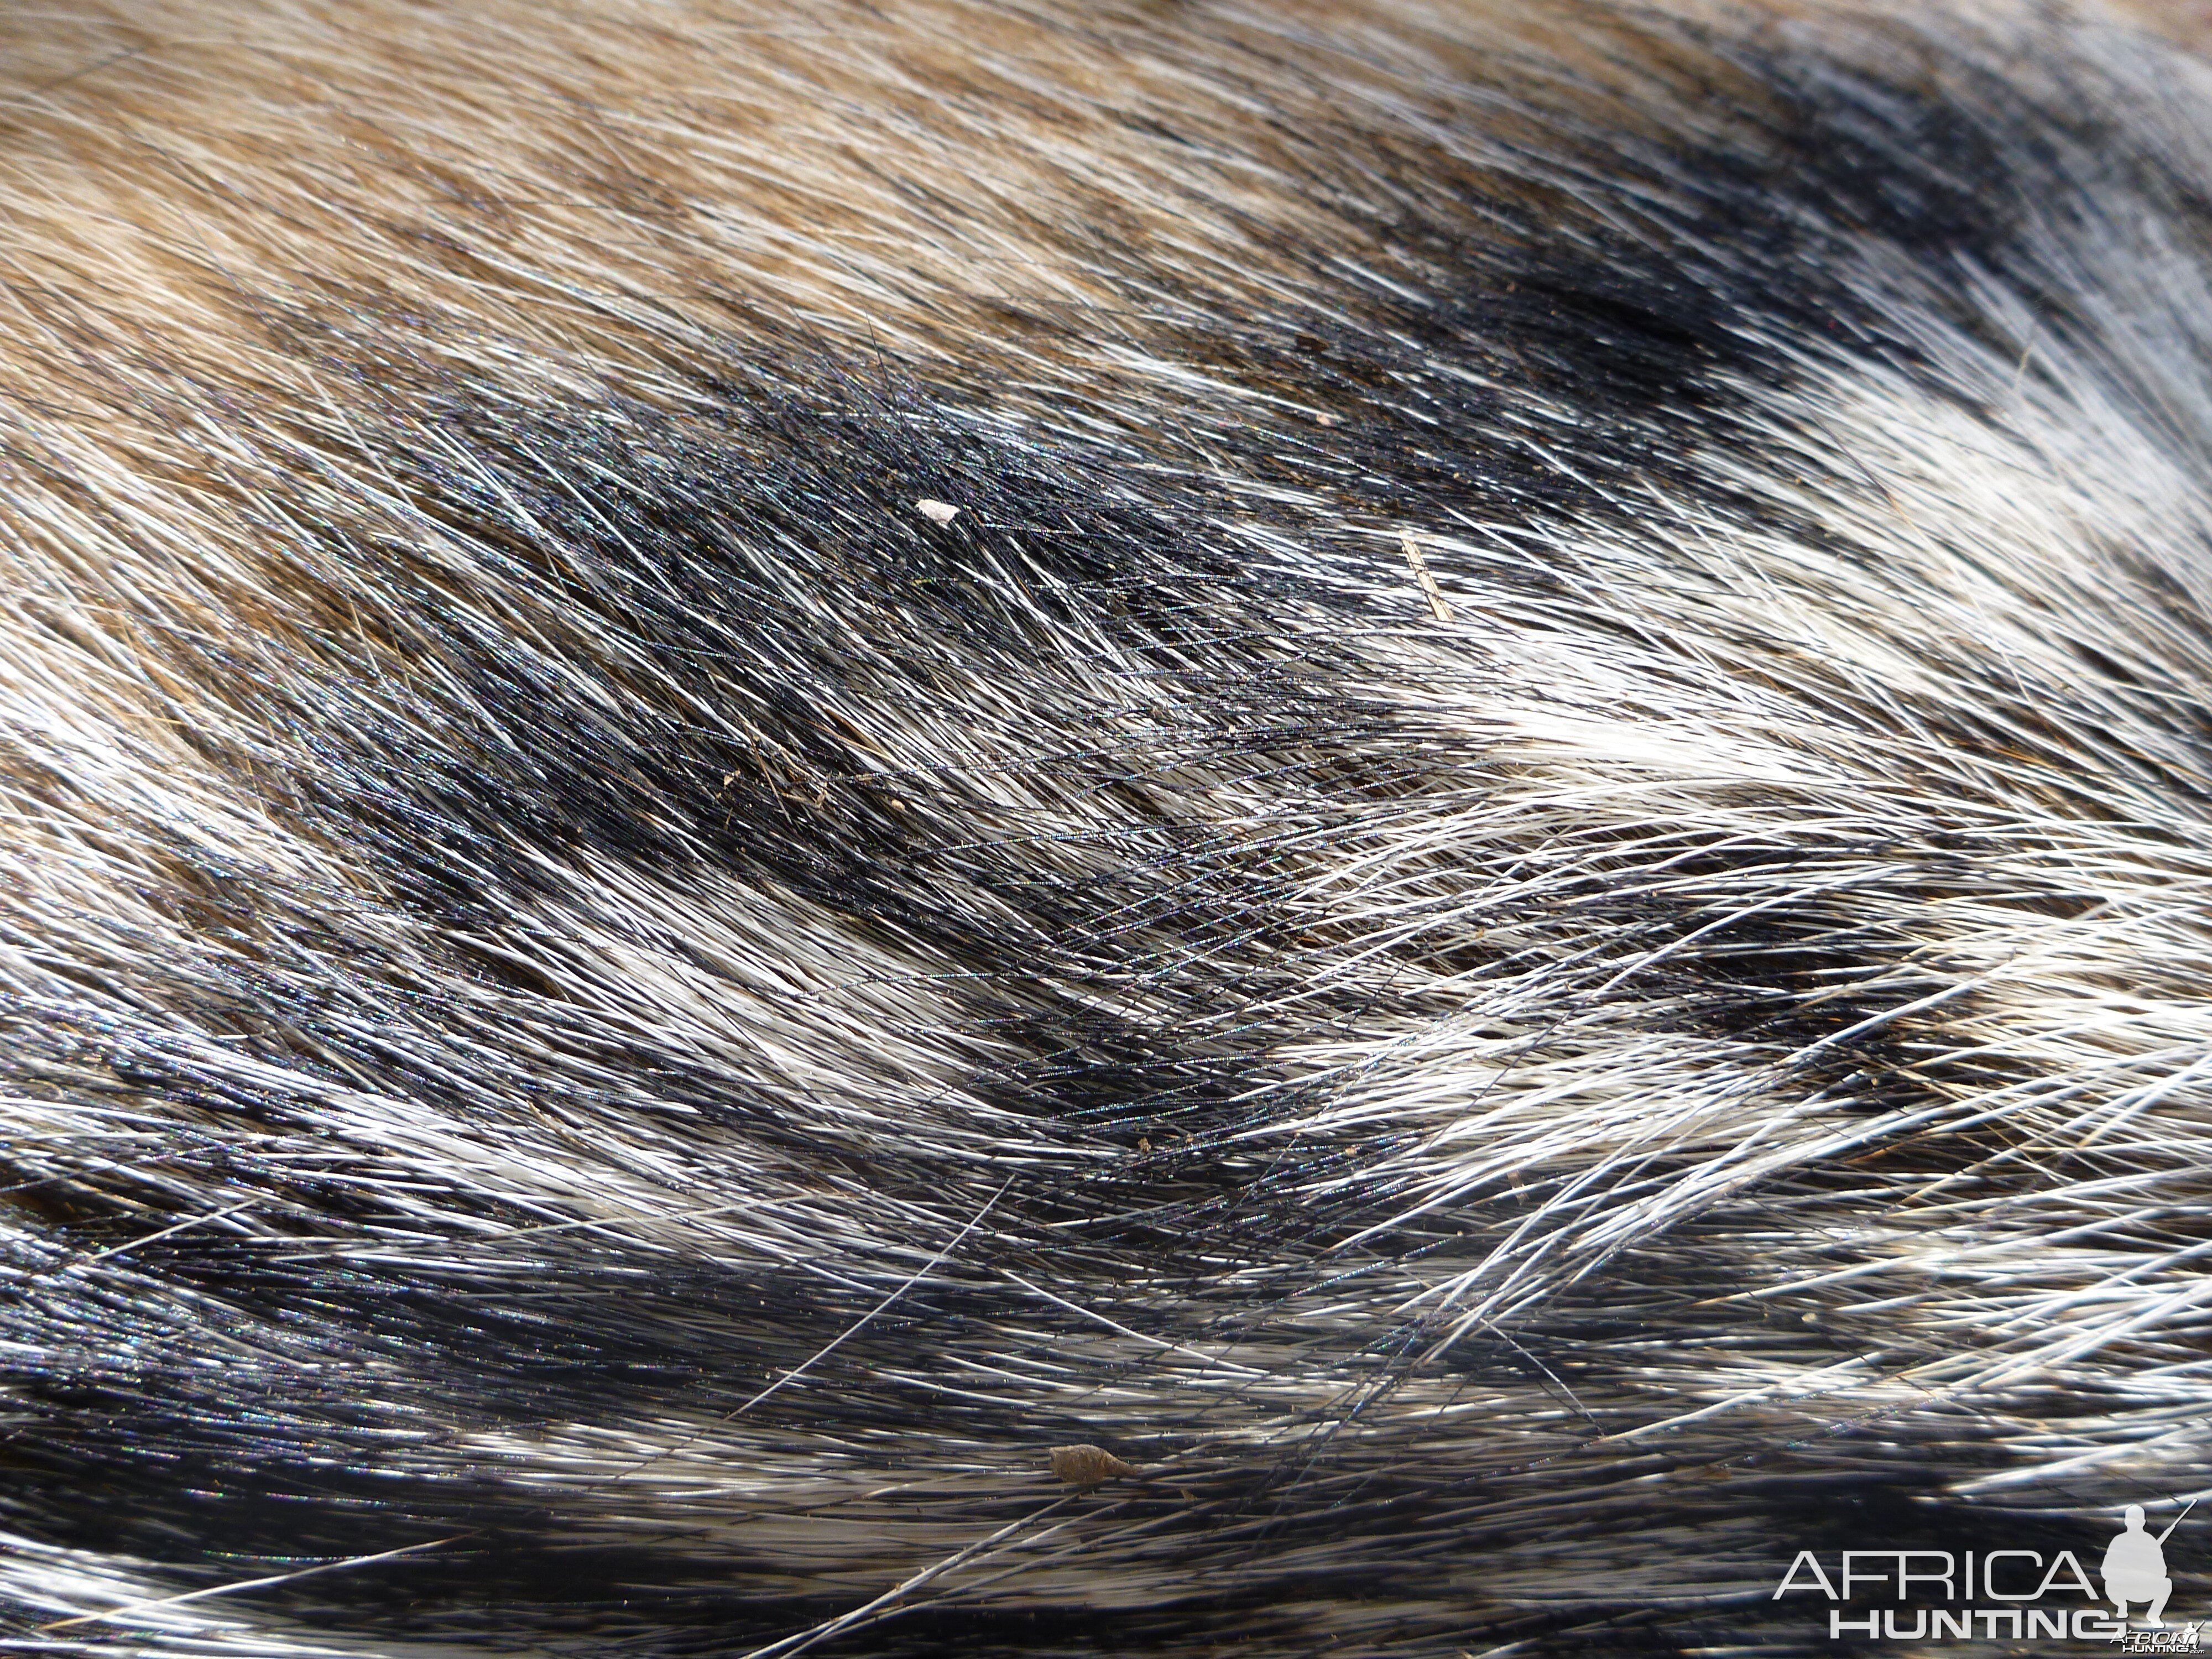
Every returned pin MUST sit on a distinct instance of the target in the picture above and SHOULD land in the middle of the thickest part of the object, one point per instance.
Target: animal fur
(629, 1040)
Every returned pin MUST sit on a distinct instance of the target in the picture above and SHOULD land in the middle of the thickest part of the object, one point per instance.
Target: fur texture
(594, 996)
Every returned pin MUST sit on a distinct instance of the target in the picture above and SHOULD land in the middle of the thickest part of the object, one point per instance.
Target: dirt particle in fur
(1088, 1466)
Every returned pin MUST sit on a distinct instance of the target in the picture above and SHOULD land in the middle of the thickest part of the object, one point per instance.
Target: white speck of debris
(937, 512)
(1421, 574)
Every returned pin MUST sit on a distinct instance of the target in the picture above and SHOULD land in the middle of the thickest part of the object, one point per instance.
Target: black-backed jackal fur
(1108, 830)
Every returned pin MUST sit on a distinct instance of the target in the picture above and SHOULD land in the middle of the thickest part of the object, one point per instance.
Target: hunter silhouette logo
(2135, 1565)
(2022, 1595)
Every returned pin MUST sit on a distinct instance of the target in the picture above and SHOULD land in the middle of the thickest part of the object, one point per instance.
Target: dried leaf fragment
(1086, 1465)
